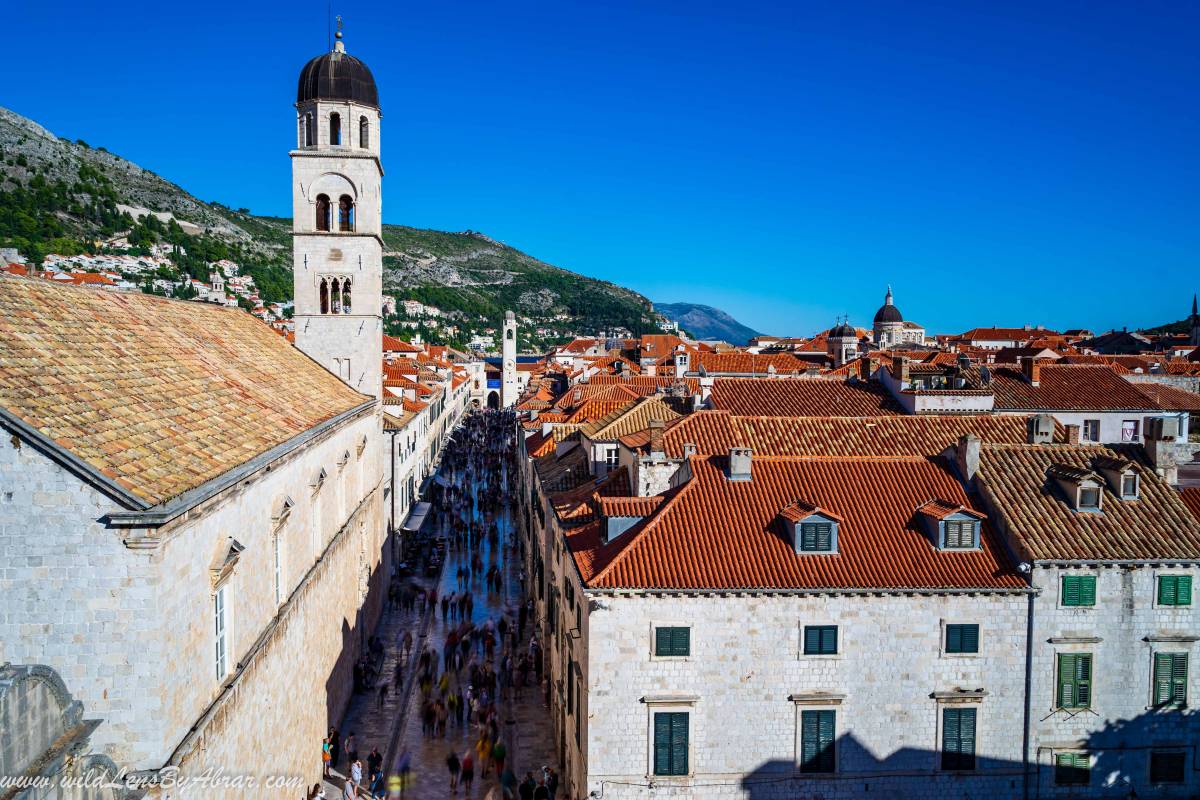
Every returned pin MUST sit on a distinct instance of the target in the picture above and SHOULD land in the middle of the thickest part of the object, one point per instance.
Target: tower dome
(843, 331)
(888, 311)
(337, 75)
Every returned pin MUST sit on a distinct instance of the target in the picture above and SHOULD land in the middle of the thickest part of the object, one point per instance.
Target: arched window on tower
(508, 334)
(346, 305)
(335, 294)
(346, 213)
(323, 212)
(364, 133)
(335, 129)
(324, 289)
(309, 130)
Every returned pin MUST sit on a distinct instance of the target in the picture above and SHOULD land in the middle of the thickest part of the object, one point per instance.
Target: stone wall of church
(746, 662)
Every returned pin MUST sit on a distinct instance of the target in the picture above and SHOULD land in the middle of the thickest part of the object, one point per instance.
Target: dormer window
(1129, 487)
(1089, 498)
(1083, 488)
(951, 526)
(1121, 476)
(810, 528)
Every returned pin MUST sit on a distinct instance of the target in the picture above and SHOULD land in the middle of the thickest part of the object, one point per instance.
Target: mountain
(706, 322)
(59, 196)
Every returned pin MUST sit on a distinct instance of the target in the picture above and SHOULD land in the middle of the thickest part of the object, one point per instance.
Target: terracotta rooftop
(577, 506)
(802, 397)
(158, 395)
(629, 419)
(715, 432)
(717, 534)
(1066, 387)
(741, 363)
(646, 385)
(1191, 498)
(1016, 479)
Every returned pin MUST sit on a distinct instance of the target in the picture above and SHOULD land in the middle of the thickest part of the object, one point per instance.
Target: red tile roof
(391, 344)
(1067, 387)
(646, 385)
(717, 534)
(1191, 498)
(739, 363)
(803, 397)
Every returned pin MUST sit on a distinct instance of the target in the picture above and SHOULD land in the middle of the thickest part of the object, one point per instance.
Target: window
(364, 133)
(1129, 430)
(958, 738)
(612, 458)
(323, 213)
(1072, 769)
(1170, 679)
(1089, 498)
(671, 743)
(1091, 430)
(816, 537)
(335, 294)
(820, 640)
(221, 628)
(962, 638)
(335, 129)
(1166, 766)
(1129, 487)
(1079, 590)
(1174, 590)
(959, 534)
(672, 642)
(346, 214)
(1074, 680)
(817, 741)
(278, 548)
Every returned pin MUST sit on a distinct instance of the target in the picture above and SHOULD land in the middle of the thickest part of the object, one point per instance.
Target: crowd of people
(486, 659)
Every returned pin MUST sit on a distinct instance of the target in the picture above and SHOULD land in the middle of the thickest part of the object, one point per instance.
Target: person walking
(552, 783)
(454, 766)
(335, 747)
(351, 748)
(468, 772)
(325, 757)
(356, 773)
(499, 751)
(525, 790)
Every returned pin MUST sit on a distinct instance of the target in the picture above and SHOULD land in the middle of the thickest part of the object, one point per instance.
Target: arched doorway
(493, 400)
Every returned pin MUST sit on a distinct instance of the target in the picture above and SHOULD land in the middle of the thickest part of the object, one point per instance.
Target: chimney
(964, 362)
(966, 456)
(1041, 429)
(1031, 368)
(689, 449)
(1072, 434)
(739, 463)
(900, 369)
(656, 439)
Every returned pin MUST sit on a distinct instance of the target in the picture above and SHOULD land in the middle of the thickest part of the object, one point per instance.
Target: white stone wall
(1110, 421)
(1122, 632)
(747, 660)
(132, 630)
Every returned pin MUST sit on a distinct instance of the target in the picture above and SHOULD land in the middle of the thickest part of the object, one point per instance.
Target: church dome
(843, 331)
(337, 76)
(888, 311)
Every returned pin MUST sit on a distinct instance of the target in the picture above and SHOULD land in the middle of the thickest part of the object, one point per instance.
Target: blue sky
(996, 163)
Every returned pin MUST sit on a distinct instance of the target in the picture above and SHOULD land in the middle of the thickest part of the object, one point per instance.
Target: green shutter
(671, 641)
(1074, 680)
(962, 638)
(1175, 590)
(958, 739)
(1170, 678)
(671, 743)
(825, 731)
(816, 536)
(683, 641)
(820, 640)
(816, 741)
(662, 744)
(679, 744)
(1079, 590)
(1072, 769)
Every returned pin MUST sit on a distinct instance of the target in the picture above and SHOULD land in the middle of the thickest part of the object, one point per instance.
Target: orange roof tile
(802, 397)
(1066, 387)
(713, 533)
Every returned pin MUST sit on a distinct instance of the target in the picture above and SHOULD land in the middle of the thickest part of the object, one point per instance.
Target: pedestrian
(499, 751)
(383, 692)
(455, 767)
(349, 791)
(468, 772)
(508, 784)
(335, 747)
(325, 757)
(356, 773)
(351, 748)
(552, 783)
(525, 790)
(541, 792)
(374, 761)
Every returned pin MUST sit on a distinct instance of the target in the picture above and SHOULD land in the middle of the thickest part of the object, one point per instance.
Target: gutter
(1024, 590)
(73, 463)
(156, 516)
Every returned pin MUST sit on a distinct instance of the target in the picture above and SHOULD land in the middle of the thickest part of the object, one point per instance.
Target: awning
(416, 517)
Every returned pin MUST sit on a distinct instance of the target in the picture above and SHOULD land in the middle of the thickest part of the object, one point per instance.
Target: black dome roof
(888, 313)
(843, 331)
(337, 76)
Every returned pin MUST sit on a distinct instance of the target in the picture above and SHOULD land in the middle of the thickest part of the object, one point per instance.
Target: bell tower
(508, 362)
(337, 226)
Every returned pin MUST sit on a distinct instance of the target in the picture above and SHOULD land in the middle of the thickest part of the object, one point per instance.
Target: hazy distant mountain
(706, 322)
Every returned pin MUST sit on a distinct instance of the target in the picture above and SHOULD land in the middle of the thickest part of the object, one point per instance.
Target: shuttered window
(1167, 766)
(958, 738)
(1072, 769)
(1174, 590)
(672, 641)
(959, 534)
(816, 537)
(1074, 680)
(671, 743)
(1170, 679)
(1079, 590)
(820, 640)
(817, 741)
(962, 638)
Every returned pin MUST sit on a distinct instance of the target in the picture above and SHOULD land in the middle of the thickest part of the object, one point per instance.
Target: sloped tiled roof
(158, 395)
(802, 397)
(1081, 387)
(629, 419)
(1169, 398)
(741, 363)
(1191, 498)
(592, 410)
(646, 385)
(1017, 481)
(577, 506)
(713, 533)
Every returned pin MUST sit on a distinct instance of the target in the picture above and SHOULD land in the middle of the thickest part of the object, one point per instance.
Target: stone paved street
(524, 719)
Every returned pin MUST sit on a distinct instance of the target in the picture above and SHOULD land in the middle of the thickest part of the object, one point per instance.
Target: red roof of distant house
(717, 534)
(391, 344)
(739, 363)
(1068, 387)
(802, 397)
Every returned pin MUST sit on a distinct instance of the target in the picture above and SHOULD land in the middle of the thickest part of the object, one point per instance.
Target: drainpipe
(1025, 733)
